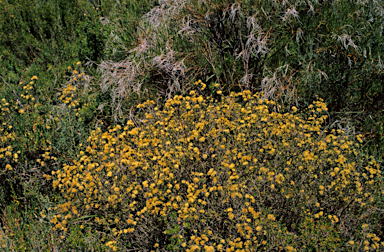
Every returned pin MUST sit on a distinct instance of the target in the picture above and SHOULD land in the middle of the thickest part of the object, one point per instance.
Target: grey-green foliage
(31, 230)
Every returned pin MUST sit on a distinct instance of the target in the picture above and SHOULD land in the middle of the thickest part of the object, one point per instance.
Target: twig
(14, 92)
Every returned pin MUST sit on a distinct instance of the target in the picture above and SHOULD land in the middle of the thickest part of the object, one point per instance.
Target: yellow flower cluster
(6, 133)
(7, 136)
(28, 101)
(70, 93)
(67, 95)
(78, 74)
(198, 156)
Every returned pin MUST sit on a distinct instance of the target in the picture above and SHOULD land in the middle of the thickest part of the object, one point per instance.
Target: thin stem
(14, 92)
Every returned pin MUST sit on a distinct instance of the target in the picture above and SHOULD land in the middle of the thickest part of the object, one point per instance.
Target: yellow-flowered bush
(207, 175)
(23, 136)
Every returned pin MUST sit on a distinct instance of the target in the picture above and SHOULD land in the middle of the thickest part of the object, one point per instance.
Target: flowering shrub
(24, 136)
(34, 141)
(206, 175)
(26, 129)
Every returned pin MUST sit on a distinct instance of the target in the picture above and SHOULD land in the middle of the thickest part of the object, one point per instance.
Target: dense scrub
(75, 70)
(207, 175)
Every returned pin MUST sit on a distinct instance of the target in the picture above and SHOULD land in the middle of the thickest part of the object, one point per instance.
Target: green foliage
(315, 234)
(25, 230)
(81, 237)
(47, 34)
(30, 230)
(123, 26)
(25, 138)
(173, 230)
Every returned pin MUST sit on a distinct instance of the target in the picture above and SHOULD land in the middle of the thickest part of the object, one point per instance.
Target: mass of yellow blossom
(234, 174)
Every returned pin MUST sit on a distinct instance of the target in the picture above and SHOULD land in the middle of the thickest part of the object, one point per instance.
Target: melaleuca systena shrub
(201, 174)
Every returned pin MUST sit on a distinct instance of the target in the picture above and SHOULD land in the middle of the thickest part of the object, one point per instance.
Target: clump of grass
(207, 174)
(293, 51)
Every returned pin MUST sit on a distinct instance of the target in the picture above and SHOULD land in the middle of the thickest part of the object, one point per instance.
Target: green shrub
(47, 32)
(235, 173)
(25, 137)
